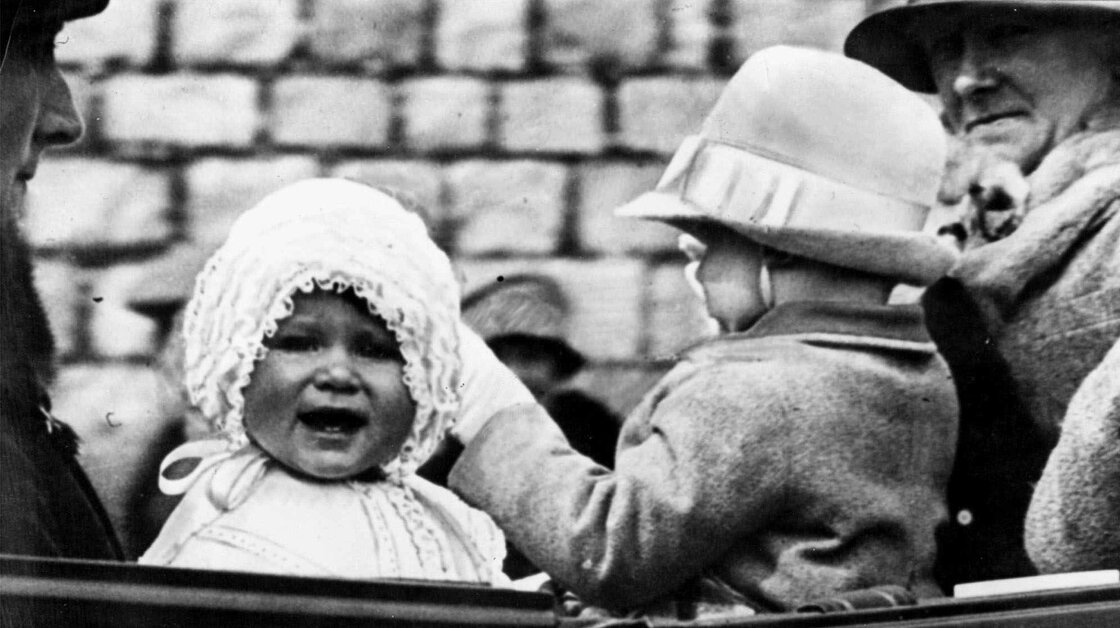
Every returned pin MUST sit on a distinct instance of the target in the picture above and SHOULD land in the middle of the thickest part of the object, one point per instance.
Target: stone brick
(657, 113)
(331, 111)
(60, 287)
(758, 24)
(81, 202)
(445, 113)
(514, 206)
(606, 306)
(560, 115)
(420, 181)
(477, 273)
(115, 330)
(188, 109)
(606, 298)
(690, 33)
(160, 286)
(218, 190)
(605, 186)
(124, 31)
(621, 34)
(482, 34)
(677, 318)
(386, 33)
(250, 32)
(120, 412)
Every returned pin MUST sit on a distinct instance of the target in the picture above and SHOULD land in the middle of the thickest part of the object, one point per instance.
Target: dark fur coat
(47, 505)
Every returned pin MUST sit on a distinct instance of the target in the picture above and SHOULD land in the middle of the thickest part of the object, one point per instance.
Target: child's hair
(333, 235)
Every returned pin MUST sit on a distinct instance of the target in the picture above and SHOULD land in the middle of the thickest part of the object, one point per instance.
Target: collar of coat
(894, 327)
(1073, 192)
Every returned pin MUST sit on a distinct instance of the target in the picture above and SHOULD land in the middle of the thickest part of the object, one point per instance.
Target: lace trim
(420, 532)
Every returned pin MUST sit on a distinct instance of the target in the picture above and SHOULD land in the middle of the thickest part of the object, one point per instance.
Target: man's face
(36, 110)
(1016, 83)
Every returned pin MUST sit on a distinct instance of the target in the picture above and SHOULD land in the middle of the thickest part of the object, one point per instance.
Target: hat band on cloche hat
(793, 210)
(710, 180)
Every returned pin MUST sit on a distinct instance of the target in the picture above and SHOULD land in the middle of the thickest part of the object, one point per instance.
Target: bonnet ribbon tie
(235, 472)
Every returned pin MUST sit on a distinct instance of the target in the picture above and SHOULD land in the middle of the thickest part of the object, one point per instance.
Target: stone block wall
(519, 124)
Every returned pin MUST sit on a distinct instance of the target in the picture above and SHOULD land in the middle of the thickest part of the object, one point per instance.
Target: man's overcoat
(1022, 321)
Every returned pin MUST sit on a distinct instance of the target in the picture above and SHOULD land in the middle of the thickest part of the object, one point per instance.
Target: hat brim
(911, 257)
(883, 40)
(30, 14)
(659, 206)
(60, 10)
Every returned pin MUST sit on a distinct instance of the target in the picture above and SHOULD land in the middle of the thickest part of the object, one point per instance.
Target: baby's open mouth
(332, 420)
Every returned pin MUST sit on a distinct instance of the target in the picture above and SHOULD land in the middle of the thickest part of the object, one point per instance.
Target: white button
(964, 517)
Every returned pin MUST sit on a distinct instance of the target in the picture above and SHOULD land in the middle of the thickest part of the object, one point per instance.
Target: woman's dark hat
(529, 310)
(886, 41)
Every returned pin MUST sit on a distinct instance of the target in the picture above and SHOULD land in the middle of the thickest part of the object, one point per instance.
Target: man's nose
(59, 122)
(975, 72)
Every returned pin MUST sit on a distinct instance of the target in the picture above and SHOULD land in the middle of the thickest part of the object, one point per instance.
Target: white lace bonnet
(329, 234)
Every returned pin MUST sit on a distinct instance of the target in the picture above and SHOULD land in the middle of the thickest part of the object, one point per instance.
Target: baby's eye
(294, 343)
(377, 351)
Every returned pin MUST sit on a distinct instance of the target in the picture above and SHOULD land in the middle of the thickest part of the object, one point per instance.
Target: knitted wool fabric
(326, 234)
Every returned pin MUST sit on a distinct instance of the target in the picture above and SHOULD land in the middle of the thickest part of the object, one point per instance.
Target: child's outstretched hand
(487, 386)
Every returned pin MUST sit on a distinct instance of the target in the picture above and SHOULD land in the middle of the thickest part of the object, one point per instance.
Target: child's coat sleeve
(621, 538)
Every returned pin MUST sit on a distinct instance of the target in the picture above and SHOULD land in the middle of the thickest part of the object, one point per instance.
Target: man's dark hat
(530, 310)
(44, 11)
(885, 40)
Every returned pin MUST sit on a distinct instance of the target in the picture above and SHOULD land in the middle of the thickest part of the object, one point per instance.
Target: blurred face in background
(1019, 83)
(36, 110)
(534, 363)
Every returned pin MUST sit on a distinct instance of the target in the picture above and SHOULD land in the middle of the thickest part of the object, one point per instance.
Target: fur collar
(1095, 148)
(1074, 191)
